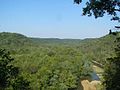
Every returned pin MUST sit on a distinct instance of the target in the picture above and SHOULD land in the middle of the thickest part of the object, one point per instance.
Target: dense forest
(56, 64)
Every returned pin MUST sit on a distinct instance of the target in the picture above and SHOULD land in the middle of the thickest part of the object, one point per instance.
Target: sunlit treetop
(99, 8)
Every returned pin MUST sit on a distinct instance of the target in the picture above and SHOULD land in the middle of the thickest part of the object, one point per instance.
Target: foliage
(8, 73)
(20, 83)
(112, 70)
(56, 64)
(53, 67)
(98, 49)
(13, 39)
(99, 8)
(7, 70)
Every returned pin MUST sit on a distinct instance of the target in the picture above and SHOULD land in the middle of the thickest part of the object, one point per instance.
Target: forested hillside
(13, 40)
(56, 64)
(99, 49)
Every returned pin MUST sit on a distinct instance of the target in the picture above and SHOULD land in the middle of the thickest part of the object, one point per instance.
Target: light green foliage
(56, 64)
(98, 49)
(53, 68)
(59, 71)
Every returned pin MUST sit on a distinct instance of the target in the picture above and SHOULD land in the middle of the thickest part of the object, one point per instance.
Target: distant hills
(7, 38)
(13, 39)
(96, 48)
(17, 39)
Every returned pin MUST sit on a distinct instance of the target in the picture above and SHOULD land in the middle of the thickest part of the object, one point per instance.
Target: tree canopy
(9, 74)
(99, 8)
(112, 70)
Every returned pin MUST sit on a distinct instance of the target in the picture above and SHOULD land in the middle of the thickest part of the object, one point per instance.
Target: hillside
(100, 48)
(55, 41)
(13, 39)
(56, 64)
(16, 39)
(97, 49)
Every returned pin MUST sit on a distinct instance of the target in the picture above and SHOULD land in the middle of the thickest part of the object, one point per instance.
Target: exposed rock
(90, 85)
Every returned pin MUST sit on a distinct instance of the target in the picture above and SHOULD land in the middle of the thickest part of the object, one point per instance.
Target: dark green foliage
(20, 83)
(77, 1)
(112, 70)
(100, 7)
(7, 70)
(10, 73)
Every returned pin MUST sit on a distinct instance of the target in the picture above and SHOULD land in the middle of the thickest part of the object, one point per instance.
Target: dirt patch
(90, 85)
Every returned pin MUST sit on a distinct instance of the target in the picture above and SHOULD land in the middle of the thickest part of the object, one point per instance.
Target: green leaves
(10, 73)
(112, 70)
(77, 1)
(61, 70)
(20, 83)
(99, 8)
(6, 69)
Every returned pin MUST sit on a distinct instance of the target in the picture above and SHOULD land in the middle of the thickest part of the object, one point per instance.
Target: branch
(117, 10)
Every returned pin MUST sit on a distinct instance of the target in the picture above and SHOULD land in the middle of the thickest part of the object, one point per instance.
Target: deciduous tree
(99, 8)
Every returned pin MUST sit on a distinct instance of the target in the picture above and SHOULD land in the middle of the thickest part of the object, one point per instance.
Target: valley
(57, 64)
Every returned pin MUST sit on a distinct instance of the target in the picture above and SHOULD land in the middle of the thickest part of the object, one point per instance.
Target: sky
(51, 19)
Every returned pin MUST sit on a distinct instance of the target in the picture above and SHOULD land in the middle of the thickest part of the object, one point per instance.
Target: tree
(7, 70)
(20, 84)
(99, 8)
(112, 70)
(9, 74)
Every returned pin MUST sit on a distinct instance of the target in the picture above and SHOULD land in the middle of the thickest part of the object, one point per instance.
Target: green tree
(20, 84)
(99, 8)
(112, 70)
(7, 70)
(9, 74)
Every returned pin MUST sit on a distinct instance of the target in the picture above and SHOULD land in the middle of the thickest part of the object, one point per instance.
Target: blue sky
(51, 19)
